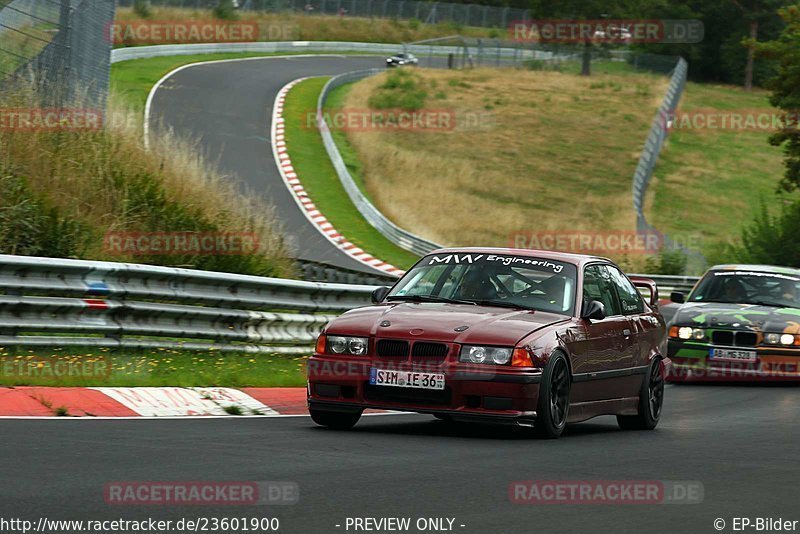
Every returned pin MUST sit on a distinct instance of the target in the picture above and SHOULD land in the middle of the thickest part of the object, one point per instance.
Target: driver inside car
(476, 285)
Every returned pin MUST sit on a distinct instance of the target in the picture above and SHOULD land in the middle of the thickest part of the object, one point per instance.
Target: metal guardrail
(78, 303)
(649, 156)
(391, 231)
(141, 52)
(655, 140)
(667, 283)
(61, 302)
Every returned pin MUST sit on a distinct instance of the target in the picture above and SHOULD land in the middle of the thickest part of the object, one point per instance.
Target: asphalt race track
(740, 442)
(227, 107)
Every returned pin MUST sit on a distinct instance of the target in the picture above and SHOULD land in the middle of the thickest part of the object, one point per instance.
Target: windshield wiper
(428, 298)
(501, 304)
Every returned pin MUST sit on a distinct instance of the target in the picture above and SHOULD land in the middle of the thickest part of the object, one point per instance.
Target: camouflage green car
(740, 322)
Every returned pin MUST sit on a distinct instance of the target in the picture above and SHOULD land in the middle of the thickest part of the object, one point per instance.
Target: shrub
(225, 10)
(142, 8)
(668, 262)
(772, 239)
(401, 90)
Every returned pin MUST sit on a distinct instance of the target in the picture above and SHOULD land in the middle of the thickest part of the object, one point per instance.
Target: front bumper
(691, 362)
(482, 394)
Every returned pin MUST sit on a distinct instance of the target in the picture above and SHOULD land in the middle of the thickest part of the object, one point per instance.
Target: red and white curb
(300, 195)
(152, 402)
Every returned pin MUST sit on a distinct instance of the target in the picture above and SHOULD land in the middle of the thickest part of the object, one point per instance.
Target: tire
(335, 420)
(553, 405)
(651, 401)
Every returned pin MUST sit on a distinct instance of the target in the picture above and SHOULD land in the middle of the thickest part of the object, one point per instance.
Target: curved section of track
(740, 442)
(227, 107)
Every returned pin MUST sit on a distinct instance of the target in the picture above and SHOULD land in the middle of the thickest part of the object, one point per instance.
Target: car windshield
(749, 287)
(491, 280)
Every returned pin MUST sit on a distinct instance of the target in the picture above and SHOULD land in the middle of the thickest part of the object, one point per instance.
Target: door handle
(626, 332)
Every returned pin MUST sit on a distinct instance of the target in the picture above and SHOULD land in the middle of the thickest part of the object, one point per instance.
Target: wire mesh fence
(424, 11)
(60, 47)
(463, 52)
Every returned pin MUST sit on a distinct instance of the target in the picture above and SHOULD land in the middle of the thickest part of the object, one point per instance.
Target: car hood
(440, 321)
(752, 316)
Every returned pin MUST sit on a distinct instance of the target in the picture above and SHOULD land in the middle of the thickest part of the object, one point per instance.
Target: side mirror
(677, 297)
(379, 294)
(647, 288)
(594, 310)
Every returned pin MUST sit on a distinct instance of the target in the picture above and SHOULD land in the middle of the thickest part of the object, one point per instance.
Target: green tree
(785, 87)
(580, 10)
(772, 239)
(754, 11)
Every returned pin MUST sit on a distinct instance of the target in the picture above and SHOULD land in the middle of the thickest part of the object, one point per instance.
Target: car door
(645, 333)
(598, 345)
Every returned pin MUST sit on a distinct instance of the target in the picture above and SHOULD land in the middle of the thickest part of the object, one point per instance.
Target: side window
(629, 297)
(597, 285)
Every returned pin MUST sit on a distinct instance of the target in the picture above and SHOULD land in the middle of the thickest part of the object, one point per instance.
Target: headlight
(780, 339)
(698, 333)
(491, 355)
(356, 346)
(685, 332)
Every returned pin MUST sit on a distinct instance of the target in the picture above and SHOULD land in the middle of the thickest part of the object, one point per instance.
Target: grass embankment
(63, 191)
(710, 181)
(302, 27)
(319, 178)
(544, 151)
(139, 368)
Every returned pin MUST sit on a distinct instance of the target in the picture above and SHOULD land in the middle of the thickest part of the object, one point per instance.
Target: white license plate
(733, 355)
(406, 379)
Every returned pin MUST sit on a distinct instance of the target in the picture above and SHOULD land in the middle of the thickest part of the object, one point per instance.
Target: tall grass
(533, 152)
(290, 27)
(61, 192)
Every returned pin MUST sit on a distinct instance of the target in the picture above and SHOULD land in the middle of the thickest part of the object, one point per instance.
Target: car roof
(774, 269)
(567, 257)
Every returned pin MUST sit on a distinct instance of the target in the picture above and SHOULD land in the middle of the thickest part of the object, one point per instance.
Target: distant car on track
(526, 337)
(740, 322)
(400, 60)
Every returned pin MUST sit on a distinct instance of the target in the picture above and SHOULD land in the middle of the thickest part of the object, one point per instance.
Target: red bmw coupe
(526, 337)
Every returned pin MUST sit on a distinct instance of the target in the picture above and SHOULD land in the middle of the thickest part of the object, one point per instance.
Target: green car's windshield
(749, 287)
(490, 280)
